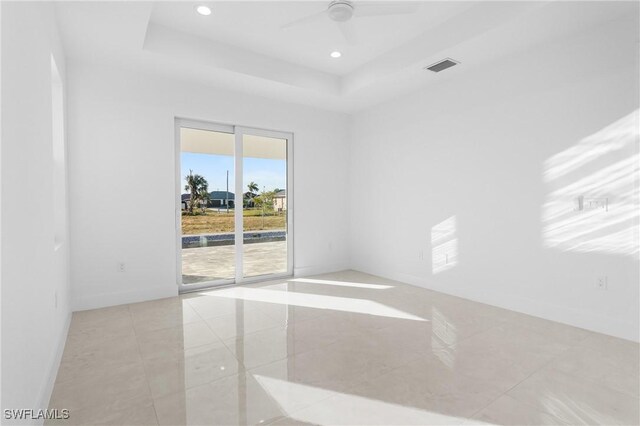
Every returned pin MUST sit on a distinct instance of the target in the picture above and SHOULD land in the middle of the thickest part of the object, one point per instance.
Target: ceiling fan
(342, 11)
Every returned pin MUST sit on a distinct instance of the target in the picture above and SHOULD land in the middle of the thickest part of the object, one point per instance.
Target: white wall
(34, 272)
(122, 188)
(482, 144)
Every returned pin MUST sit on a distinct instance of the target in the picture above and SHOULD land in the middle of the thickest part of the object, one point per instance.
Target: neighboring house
(216, 199)
(219, 199)
(280, 201)
(248, 199)
(185, 201)
(185, 198)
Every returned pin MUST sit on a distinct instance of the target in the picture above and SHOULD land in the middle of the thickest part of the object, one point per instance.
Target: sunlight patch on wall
(444, 243)
(593, 203)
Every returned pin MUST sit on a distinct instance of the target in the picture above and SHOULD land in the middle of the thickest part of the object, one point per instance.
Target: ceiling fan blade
(383, 9)
(304, 20)
(348, 32)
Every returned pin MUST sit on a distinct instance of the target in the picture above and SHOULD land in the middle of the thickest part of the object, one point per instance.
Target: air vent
(442, 65)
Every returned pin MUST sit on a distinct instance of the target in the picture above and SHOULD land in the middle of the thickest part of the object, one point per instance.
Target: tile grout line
(540, 368)
(557, 339)
(144, 367)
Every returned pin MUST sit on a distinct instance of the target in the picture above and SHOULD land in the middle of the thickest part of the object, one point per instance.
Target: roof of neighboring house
(215, 195)
(221, 195)
(281, 194)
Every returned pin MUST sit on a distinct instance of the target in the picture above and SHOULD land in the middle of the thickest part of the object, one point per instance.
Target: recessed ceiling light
(336, 54)
(203, 10)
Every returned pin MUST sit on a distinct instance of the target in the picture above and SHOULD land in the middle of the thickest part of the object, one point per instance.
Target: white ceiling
(306, 44)
(241, 45)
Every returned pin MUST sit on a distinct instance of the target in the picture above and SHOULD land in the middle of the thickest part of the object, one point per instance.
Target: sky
(268, 174)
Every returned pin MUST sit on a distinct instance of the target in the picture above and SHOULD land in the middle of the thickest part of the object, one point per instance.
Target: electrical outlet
(602, 283)
(121, 267)
(55, 300)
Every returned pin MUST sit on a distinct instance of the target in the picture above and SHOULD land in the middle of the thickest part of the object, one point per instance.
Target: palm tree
(249, 196)
(197, 186)
(204, 197)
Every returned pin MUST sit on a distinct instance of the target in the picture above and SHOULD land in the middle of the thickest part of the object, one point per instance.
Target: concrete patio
(214, 263)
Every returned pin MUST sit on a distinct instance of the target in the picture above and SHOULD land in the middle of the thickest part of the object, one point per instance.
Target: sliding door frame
(238, 132)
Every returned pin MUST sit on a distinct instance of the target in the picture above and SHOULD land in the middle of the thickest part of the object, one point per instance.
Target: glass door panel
(208, 248)
(265, 212)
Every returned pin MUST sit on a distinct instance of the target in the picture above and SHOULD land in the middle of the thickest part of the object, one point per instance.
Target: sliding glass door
(264, 221)
(234, 204)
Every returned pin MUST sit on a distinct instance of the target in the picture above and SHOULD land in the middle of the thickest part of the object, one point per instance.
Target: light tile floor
(344, 348)
(218, 262)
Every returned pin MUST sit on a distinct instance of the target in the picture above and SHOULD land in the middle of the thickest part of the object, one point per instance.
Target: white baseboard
(47, 388)
(83, 303)
(573, 317)
(103, 300)
(318, 269)
(95, 301)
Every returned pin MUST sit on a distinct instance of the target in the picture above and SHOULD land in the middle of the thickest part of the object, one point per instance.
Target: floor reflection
(277, 353)
(443, 338)
(336, 408)
(340, 283)
(317, 301)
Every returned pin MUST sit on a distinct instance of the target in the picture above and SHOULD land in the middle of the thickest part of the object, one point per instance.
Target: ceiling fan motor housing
(340, 11)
